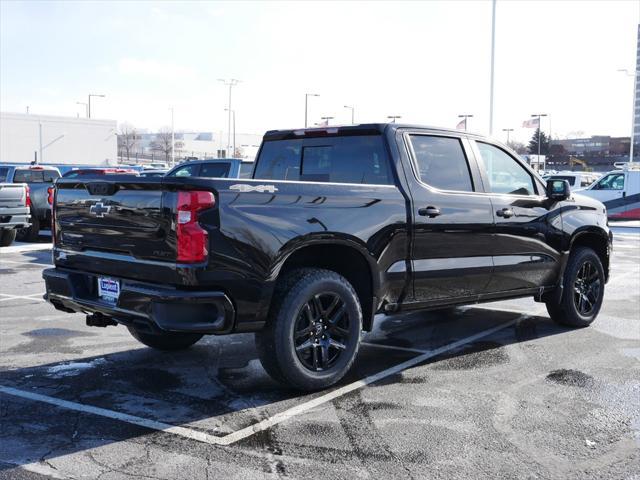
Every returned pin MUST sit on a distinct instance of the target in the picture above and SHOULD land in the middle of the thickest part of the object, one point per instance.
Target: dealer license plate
(108, 289)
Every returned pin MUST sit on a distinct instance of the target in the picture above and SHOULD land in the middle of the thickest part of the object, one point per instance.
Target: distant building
(25, 138)
(197, 144)
(599, 151)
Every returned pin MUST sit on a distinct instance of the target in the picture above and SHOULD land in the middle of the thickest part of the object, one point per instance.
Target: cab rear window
(35, 176)
(358, 159)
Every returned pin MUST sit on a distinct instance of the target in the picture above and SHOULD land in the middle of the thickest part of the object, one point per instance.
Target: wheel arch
(345, 257)
(598, 240)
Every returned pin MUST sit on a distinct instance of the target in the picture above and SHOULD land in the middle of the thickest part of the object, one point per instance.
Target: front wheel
(167, 341)
(583, 290)
(313, 331)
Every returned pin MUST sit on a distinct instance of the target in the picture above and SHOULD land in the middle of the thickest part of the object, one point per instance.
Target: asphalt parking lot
(486, 391)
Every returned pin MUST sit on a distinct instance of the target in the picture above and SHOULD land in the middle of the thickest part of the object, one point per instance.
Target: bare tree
(162, 142)
(127, 140)
(519, 147)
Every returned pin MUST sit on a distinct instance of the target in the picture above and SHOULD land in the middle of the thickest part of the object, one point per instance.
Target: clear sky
(427, 61)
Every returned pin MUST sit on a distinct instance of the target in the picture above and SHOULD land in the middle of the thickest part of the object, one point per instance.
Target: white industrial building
(57, 140)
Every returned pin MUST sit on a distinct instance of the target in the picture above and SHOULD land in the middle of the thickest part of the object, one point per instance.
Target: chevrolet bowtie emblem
(100, 210)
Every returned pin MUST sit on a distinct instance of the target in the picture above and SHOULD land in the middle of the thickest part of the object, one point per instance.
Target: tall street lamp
(508, 130)
(352, 113)
(173, 140)
(306, 105)
(393, 118)
(493, 61)
(86, 107)
(633, 74)
(466, 118)
(89, 102)
(233, 112)
(539, 116)
(231, 82)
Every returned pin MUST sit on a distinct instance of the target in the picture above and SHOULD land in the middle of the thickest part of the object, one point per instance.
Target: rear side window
(4, 171)
(442, 163)
(358, 159)
(186, 171)
(215, 170)
(246, 169)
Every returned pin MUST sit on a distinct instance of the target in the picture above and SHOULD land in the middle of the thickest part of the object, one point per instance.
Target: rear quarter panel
(255, 232)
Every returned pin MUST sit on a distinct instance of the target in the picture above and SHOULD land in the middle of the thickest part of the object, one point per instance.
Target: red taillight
(28, 196)
(192, 239)
(50, 196)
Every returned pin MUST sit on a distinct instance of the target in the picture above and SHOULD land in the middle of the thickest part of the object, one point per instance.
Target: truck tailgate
(13, 195)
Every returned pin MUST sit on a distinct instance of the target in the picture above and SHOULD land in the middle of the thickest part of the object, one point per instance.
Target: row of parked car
(26, 191)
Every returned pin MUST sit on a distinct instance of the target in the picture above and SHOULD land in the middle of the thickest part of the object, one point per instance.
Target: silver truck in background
(14, 211)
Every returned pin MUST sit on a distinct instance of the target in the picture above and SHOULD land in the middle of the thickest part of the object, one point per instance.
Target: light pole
(232, 82)
(466, 117)
(508, 130)
(89, 102)
(86, 107)
(306, 105)
(633, 108)
(233, 112)
(352, 113)
(539, 116)
(173, 140)
(493, 59)
(393, 118)
(326, 119)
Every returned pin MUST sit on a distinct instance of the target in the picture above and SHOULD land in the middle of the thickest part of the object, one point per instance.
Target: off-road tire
(31, 233)
(276, 344)
(565, 312)
(7, 236)
(169, 341)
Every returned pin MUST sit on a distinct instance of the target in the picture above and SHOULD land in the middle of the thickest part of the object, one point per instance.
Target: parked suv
(336, 225)
(214, 168)
(39, 178)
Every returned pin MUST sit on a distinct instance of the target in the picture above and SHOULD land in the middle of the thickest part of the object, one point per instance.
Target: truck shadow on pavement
(218, 386)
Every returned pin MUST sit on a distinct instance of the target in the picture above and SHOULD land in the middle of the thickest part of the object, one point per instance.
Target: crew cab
(214, 168)
(38, 178)
(336, 225)
(619, 190)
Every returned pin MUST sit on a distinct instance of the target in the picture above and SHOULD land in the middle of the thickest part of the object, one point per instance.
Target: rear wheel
(583, 290)
(313, 331)
(7, 237)
(31, 233)
(168, 341)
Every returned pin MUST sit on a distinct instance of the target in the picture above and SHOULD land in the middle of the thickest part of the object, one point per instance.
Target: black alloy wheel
(321, 332)
(586, 289)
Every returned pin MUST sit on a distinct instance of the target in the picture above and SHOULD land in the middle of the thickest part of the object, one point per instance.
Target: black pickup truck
(335, 225)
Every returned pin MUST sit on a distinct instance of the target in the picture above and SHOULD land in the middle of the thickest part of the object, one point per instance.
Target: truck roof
(352, 130)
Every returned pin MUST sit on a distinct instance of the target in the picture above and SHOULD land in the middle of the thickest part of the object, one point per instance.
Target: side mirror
(558, 190)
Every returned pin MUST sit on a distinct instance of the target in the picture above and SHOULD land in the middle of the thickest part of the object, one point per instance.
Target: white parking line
(264, 424)
(33, 296)
(27, 247)
(3, 260)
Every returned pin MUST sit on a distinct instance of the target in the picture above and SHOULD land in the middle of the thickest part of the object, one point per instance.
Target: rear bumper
(147, 307)
(15, 217)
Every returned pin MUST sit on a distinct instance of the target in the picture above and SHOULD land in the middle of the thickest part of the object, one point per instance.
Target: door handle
(430, 212)
(505, 212)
